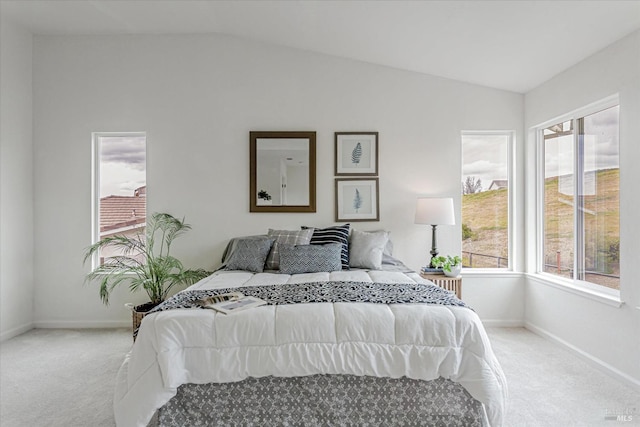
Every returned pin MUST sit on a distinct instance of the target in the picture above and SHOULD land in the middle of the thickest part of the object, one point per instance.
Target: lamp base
(434, 248)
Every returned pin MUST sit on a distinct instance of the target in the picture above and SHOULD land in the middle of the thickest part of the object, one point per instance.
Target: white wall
(498, 298)
(16, 181)
(197, 97)
(608, 336)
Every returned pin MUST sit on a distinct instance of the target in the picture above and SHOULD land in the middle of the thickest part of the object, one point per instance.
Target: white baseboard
(503, 323)
(80, 324)
(16, 331)
(592, 360)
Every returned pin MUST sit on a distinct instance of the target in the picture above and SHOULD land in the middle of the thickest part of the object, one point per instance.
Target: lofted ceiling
(512, 45)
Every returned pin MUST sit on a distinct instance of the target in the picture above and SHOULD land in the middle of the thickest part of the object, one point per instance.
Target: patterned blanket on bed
(315, 292)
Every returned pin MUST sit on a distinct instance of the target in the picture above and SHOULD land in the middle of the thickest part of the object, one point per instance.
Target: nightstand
(453, 284)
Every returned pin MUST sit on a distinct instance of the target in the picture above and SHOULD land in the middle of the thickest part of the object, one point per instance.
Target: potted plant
(144, 262)
(264, 198)
(451, 265)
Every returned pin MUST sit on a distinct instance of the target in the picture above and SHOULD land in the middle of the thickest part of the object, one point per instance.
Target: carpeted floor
(60, 377)
(550, 386)
(65, 378)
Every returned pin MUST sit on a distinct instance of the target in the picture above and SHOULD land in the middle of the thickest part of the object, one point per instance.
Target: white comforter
(418, 341)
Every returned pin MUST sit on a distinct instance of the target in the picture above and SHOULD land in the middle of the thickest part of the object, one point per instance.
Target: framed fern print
(356, 153)
(357, 199)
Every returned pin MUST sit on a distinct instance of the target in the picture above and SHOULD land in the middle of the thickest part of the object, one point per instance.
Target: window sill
(490, 272)
(109, 274)
(571, 287)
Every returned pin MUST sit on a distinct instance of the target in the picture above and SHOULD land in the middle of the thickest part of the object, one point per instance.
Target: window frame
(575, 285)
(95, 184)
(511, 201)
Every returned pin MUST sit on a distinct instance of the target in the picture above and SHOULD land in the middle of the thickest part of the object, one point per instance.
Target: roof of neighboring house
(122, 211)
(499, 183)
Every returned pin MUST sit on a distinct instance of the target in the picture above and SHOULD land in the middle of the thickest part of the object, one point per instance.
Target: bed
(376, 346)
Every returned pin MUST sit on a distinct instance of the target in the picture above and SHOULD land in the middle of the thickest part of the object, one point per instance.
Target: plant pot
(455, 271)
(137, 314)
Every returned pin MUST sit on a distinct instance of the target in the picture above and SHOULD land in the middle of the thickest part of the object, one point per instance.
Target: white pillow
(366, 249)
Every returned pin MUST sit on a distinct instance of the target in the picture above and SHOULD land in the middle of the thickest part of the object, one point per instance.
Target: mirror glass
(282, 172)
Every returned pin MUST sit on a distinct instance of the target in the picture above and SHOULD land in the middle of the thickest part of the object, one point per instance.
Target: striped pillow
(336, 234)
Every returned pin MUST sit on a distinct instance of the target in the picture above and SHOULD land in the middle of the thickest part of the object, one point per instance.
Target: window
(486, 171)
(119, 191)
(579, 197)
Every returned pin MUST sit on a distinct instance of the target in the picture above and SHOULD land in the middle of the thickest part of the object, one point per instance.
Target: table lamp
(435, 211)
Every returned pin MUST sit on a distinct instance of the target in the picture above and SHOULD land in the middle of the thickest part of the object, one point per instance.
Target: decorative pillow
(250, 254)
(231, 246)
(285, 237)
(366, 248)
(337, 234)
(310, 258)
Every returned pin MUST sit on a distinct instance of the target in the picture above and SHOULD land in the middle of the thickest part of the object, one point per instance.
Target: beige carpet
(65, 378)
(60, 377)
(549, 386)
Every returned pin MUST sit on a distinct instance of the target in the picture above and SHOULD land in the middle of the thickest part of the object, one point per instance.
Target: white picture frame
(356, 153)
(357, 199)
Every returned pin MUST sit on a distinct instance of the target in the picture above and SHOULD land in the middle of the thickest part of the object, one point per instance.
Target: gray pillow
(285, 237)
(231, 246)
(310, 258)
(366, 249)
(250, 254)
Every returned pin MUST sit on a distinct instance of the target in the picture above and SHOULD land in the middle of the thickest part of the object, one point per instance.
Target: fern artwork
(356, 154)
(357, 200)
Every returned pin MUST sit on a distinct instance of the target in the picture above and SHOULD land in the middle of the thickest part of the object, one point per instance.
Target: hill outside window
(578, 197)
(487, 205)
(119, 186)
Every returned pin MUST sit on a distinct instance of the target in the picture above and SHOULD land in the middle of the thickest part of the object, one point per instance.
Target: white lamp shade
(435, 211)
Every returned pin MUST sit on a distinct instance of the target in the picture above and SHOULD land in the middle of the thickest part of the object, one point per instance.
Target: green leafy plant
(144, 261)
(446, 262)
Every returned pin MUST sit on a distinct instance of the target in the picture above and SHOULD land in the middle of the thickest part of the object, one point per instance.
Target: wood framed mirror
(282, 172)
